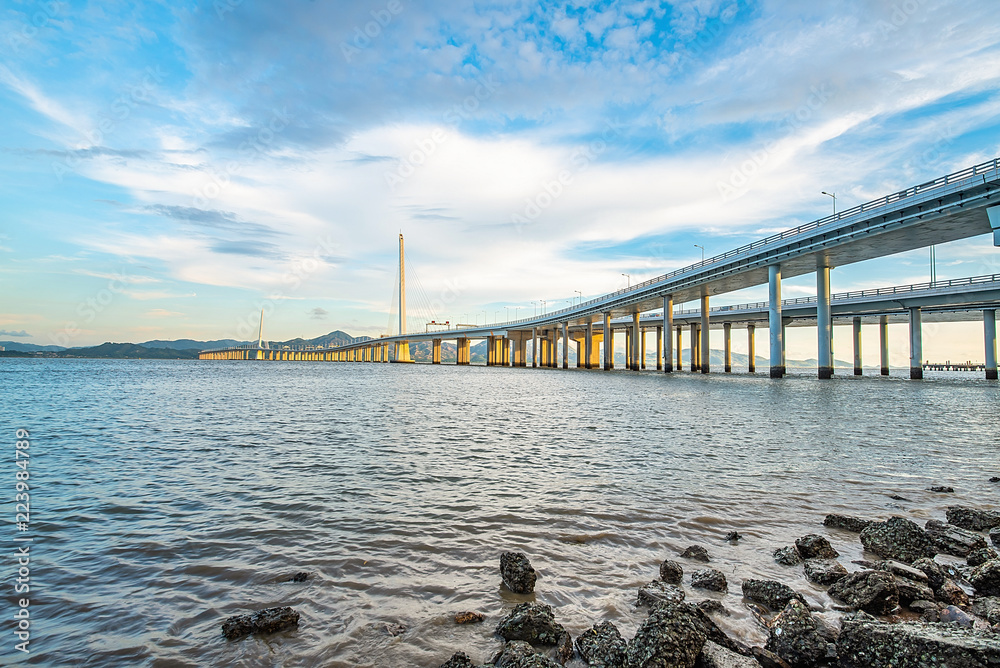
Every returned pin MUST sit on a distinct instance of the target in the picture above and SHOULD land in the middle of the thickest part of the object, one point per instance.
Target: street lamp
(543, 306)
(702, 251)
(834, 196)
(534, 309)
(580, 295)
(628, 281)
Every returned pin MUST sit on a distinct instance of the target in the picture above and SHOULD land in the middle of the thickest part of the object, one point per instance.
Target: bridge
(956, 206)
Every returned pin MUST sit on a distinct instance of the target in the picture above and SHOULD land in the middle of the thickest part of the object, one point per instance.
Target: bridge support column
(751, 348)
(916, 345)
(659, 347)
(693, 348)
(857, 346)
(727, 335)
(436, 351)
(883, 340)
(462, 352)
(609, 344)
(706, 340)
(680, 351)
(554, 347)
(580, 357)
(636, 339)
(534, 347)
(588, 344)
(824, 321)
(668, 330)
(642, 349)
(774, 321)
(565, 338)
(990, 335)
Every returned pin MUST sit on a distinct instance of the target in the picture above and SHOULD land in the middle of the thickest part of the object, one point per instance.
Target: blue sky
(169, 168)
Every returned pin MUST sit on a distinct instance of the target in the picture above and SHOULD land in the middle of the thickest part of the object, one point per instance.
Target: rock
(932, 569)
(517, 573)
(910, 590)
(533, 623)
(941, 490)
(602, 646)
(696, 552)
(299, 577)
(389, 628)
(847, 523)
(270, 620)
(669, 637)
(987, 607)
(920, 606)
(955, 615)
(658, 592)
(768, 659)
(519, 654)
(716, 656)
(898, 538)
(814, 546)
(986, 578)
(897, 497)
(733, 536)
(896, 568)
(770, 593)
(671, 572)
(710, 579)
(710, 606)
(995, 536)
(787, 556)
(972, 518)
(980, 556)
(824, 571)
(714, 633)
(953, 540)
(949, 592)
(867, 643)
(458, 660)
(468, 617)
(995, 479)
(794, 636)
(872, 591)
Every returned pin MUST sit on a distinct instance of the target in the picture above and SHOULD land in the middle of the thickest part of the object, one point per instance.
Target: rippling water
(170, 495)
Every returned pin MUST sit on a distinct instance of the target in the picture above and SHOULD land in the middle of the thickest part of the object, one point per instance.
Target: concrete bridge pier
(706, 340)
(436, 351)
(883, 340)
(752, 348)
(588, 345)
(693, 349)
(774, 320)
(990, 332)
(727, 334)
(642, 348)
(636, 337)
(680, 340)
(462, 352)
(668, 329)
(916, 345)
(609, 344)
(659, 347)
(565, 338)
(534, 347)
(824, 321)
(857, 346)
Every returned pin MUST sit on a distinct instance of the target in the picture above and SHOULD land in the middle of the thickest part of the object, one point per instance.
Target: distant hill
(28, 347)
(191, 344)
(128, 351)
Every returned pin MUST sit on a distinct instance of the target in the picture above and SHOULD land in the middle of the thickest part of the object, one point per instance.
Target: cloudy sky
(171, 168)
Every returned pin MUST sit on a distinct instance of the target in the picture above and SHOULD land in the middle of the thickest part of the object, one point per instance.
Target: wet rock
(941, 489)
(995, 479)
(949, 592)
(711, 606)
(986, 578)
(896, 568)
(270, 620)
(980, 556)
(872, 591)
(299, 577)
(458, 660)
(898, 538)
(910, 590)
(768, 659)
(868, 643)
(696, 552)
(787, 556)
(669, 637)
(658, 592)
(932, 569)
(517, 573)
(855, 524)
(953, 540)
(671, 572)
(710, 579)
(770, 593)
(716, 656)
(533, 623)
(713, 632)
(468, 617)
(930, 615)
(814, 546)
(972, 518)
(897, 497)
(954, 615)
(995, 536)
(602, 646)
(794, 636)
(824, 571)
(519, 654)
(987, 607)
(390, 628)
(920, 606)
(733, 536)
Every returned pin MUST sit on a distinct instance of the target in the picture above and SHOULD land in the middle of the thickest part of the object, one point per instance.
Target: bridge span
(956, 206)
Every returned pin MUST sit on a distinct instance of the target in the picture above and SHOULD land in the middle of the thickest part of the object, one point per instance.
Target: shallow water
(169, 495)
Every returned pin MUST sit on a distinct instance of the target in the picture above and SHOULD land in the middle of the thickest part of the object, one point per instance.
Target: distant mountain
(191, 344)
(28, 347)
(128, 351)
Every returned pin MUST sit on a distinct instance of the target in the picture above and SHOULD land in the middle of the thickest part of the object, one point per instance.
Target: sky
(172, 168)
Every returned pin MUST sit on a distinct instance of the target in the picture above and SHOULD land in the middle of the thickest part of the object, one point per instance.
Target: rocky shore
(905, 608)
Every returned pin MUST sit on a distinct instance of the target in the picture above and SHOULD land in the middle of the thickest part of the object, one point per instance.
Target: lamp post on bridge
(702, 251)
(579, 294)
(628, 281)
(834, 196)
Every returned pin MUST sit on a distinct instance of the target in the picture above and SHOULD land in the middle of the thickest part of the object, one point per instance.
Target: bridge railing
(982, 168)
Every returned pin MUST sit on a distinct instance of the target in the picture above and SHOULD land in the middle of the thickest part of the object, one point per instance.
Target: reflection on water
(169, 495)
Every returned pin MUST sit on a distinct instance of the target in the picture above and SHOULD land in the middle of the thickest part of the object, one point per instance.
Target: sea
(166, 496)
